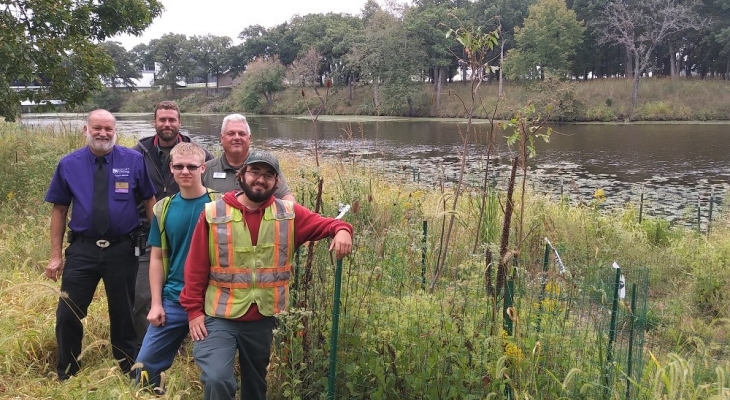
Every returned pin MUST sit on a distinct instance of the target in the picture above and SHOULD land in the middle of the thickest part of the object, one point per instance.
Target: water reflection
(673, 164)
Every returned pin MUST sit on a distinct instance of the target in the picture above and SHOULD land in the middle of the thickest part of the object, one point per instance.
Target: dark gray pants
(142, 299)
(84, 266)
(215, 355)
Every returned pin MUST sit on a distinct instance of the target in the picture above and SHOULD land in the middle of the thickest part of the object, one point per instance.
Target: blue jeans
(216, 354)
(161, 343)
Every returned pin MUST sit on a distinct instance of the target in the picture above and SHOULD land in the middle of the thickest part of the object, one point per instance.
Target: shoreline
(373, 118)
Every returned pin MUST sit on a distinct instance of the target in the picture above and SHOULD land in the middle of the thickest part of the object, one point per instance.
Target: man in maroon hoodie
(237, 276)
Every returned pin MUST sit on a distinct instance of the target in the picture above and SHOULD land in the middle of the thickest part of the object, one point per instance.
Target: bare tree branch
(641, 26)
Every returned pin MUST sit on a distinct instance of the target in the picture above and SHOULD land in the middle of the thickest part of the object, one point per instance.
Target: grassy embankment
(604, 100)
(687, 323)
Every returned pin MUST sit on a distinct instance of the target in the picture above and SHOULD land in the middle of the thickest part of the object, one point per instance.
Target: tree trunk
(635, 90)
(350, 90)
(437, 86)
(440, 77)
(629, 64)
(376, 95)
(672, 63)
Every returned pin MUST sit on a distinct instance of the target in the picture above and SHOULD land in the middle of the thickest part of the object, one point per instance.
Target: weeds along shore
(398, 339)
(598, 100)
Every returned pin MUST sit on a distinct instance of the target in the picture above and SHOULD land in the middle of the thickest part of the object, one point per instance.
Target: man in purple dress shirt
(97, 251)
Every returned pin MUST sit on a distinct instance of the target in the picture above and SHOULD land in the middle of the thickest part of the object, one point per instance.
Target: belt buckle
(103, 243)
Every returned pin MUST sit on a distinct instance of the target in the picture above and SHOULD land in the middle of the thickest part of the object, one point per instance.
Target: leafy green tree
(712, 53)
(210, 54)
(390, 57)
(125, 69)
(504, 15)
(369, 9)
(260, 42)
(332, 36)
(429, 21)
(144, 58)
(305, 70)
(108, 99)
(52, 44)
(262, 78)
(257, 41)
(592, 60)
(173, 54)
(546, 43)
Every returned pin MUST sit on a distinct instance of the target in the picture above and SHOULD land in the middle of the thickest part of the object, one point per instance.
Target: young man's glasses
(190, 167)
(258, 174)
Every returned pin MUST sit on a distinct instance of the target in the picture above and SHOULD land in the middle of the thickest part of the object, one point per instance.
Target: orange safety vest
(242, 274)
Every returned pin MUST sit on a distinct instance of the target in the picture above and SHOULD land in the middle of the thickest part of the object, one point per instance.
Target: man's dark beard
(256, 197)
(167, 136)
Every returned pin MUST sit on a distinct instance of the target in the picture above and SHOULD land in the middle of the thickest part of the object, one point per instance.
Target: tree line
(396, 46)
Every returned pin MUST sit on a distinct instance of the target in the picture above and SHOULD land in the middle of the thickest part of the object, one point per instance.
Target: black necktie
(100, 203)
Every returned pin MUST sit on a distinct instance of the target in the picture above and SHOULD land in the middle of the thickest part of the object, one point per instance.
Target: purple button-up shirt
(129, 183)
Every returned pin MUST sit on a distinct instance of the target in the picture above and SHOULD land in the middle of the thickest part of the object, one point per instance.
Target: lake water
(677, 166)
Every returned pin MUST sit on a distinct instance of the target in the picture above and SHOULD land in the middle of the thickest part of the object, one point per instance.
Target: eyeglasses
(190, 167)
(257, 174)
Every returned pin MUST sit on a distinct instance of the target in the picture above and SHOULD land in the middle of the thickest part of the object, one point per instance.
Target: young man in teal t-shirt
(170, 234)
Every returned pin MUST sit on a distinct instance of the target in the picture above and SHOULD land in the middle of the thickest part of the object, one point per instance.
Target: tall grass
(396, 340)
(602, 100)
(598, 100)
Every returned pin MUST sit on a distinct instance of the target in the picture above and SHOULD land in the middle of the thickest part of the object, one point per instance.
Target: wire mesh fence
(564, 332)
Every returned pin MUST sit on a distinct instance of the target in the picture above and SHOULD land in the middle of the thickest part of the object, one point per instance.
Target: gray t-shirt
(219, 175)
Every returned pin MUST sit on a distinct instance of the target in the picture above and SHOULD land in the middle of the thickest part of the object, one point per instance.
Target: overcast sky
(230, 17)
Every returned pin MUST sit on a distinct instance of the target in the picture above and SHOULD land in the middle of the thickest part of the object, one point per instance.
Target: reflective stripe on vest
(242, 274)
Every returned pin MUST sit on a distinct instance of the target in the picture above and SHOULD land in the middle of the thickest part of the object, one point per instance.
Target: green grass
(599, 100)
(397, 341)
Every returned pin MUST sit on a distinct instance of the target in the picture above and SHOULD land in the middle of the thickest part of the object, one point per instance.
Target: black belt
(103, 243)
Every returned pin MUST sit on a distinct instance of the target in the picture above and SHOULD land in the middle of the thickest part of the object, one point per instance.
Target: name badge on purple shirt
(121, 187)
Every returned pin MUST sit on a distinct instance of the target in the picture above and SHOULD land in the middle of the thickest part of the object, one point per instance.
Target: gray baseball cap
(258, 156)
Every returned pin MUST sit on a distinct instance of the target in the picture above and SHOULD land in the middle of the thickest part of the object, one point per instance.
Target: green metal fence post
(699, 214)
(335, 331)
(611, 334)
(507, 322)
(423, 255)
(630, 360)
(543, 284)
(509, 291)
(295, 287)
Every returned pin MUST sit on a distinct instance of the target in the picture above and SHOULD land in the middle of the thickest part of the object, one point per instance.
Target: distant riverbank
(604, 100)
